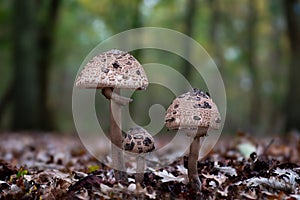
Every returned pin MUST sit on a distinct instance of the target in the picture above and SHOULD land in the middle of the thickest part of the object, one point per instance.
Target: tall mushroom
(194, 112)
(138, 140)
(111, 71)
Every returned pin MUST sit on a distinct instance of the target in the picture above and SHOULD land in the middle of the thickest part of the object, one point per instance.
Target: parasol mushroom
(138, 140)
(111, 71)
(194, 112)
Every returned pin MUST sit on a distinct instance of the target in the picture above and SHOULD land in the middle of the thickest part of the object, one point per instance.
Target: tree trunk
(25, 113)
(190, 13)
(32, 45)
(255, 101)
(5, 101)
(293, 97)
(136, 22)
(214, 33)
(275, 114)
(46, 32)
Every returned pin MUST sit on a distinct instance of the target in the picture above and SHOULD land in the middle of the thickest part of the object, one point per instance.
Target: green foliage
(22, 172)
(118, 15)
(93, 168)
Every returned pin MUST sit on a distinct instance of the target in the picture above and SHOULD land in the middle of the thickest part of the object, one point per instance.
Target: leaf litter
(47, 166)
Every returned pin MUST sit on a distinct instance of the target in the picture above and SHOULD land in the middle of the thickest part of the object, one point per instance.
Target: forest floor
(51, 166)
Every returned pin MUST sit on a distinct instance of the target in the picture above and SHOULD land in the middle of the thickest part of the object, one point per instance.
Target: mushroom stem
(116, 140)
(140, 167)
(192, 164)
(109, 94)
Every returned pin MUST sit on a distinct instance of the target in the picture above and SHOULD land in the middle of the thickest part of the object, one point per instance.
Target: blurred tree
(119, 16)
(277, 69)
(6, 91)
(215, 33)
(5, 101)
(238, 35)
(48, 14)
(255, 101)
(292, 12)
(189, 22)
(32, 34)
(25, 84)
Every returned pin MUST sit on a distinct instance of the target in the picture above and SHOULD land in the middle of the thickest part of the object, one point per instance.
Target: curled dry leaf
(167, 177)
(272, 182)
(230, 171)
(220, 178)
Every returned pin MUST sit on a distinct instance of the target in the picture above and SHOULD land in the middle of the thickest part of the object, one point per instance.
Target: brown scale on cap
(138, 140)
(194, 109)
(114, 69)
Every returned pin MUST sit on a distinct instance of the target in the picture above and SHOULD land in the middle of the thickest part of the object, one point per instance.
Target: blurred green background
(255, 44)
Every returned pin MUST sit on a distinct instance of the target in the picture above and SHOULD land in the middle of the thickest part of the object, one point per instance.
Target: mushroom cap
(115, 69)
(138, 140)
(193, 110)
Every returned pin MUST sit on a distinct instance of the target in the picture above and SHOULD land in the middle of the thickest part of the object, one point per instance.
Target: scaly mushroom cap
(138, 140)
(114, 68)
(192, 110)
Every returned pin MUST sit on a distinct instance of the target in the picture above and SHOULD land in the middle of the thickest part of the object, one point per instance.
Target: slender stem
(140, 167)
(116, 140)
(192, 164)
(109, 94)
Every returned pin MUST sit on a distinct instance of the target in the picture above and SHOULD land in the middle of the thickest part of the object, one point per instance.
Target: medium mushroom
(194, 112)
(138, 140)
(111, 71)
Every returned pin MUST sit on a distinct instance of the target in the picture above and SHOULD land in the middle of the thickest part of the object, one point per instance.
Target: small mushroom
(195, 113)
(138, 140)
(111, 71)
